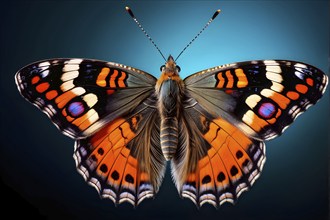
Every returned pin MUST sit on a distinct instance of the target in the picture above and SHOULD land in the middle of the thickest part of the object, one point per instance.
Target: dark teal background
(37, 167)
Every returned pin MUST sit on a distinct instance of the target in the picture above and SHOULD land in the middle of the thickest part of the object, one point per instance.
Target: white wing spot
(70, 67)
(69, 75)
(248, 117)
(90, 99)
(300, 75)
(74, 61)
(277, 87)
(44, 73)
(270, 62)
(67, 85)
(92, 116)
(252, 100)
(300, 65)
(274, 77)
(275, 69)
(78, 91)
(267, 93)
(44, 64)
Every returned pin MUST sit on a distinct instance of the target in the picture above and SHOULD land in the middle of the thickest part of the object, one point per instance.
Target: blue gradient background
(36, 161)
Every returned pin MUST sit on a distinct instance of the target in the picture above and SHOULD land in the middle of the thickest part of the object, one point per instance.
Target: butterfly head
(170, 67)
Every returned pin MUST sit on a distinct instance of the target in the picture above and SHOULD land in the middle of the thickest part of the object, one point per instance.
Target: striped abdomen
(169, 136)
(169, 102)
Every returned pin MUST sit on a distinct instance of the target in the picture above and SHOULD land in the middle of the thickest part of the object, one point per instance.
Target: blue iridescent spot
(76, 108)
(266, 110)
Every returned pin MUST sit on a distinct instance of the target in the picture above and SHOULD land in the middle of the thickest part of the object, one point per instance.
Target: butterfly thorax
(169, 89)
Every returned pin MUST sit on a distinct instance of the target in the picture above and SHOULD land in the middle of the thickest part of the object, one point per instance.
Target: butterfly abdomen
(169, 136)
(169, 102)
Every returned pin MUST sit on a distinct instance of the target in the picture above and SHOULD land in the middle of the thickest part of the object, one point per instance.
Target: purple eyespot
(266, 110)
(76, 108)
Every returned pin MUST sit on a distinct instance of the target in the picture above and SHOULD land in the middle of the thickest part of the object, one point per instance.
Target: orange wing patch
(111, 78)
(51, 94)
(101, 78)
(108, 164)
(301, 88)
(42, 87)
(310, 81)
(229, 79)
(230, 166)
(242, 79)
(35, 80)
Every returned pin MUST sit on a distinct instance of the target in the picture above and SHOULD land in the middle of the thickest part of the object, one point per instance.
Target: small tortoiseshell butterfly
(211, 125)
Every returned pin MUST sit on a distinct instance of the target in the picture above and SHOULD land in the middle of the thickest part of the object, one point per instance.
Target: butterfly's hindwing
(81, 96)
(123, 161)
(222, 163)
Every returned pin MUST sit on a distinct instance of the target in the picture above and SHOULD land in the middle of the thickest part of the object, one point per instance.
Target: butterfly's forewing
(234, 108)
(266, 96)
(81, 96)
(123, 160)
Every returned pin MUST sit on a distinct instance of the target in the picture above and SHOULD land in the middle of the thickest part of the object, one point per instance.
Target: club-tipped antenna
(142, 29)
(207, 24)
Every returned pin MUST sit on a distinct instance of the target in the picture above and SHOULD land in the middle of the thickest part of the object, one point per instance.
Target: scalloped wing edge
(146, 190)
(226, 196)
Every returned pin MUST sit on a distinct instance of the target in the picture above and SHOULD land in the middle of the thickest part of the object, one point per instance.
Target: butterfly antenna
(207, 24)
(142, 29)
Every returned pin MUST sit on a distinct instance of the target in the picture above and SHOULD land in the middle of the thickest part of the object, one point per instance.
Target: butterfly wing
(260, 97)
(216, 161)
(228, 112)
(124, 161)
(110, 110)
(81, 96)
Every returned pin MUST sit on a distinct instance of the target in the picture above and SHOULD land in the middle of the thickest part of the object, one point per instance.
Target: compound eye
(162, 68)
(178, 68)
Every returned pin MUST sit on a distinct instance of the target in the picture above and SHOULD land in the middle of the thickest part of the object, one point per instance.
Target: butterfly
(211, 126)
